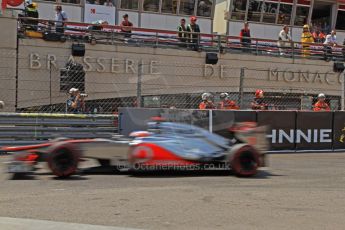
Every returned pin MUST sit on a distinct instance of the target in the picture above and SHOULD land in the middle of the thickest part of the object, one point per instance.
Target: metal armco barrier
(31, 128)
(288, 131)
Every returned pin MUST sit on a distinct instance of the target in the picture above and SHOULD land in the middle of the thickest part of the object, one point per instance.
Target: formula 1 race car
(165, 145)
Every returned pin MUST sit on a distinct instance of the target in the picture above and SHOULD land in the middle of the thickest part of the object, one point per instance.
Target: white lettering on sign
(51, 61)
(35, 61)
(222, 71)
(115, 67)
(208, 70)
(87, 66)
(297, 136)
(153, 67)
(101, 67)
(130, 66)
(290, 76)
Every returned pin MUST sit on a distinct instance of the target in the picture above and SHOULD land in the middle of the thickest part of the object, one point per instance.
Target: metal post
(210, 121)
(240, 96)
(50, 86)
(343, 91)
(140, 72)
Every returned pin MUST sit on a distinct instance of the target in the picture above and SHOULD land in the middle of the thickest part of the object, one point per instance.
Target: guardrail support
(140, 72)
(240, 97)
(343, 90)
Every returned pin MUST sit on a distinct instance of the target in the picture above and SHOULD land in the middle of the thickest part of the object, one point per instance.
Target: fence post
(140, 72)
(343, 91)
(50, 86)
(220, 48)
(240, 96)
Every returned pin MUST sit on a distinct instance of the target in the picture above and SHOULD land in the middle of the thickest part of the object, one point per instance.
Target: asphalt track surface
(296, 191)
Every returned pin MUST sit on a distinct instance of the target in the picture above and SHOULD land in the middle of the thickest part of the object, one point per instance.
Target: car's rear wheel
(244, 160)
(63, 159)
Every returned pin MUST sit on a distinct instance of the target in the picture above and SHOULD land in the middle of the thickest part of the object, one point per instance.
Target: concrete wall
(112, 71)
(8, 46)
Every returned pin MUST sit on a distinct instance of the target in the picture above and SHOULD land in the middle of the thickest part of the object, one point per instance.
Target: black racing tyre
(244, 160)
(63, 159)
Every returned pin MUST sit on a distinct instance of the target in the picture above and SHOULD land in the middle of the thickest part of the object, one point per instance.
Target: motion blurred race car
(165, 145)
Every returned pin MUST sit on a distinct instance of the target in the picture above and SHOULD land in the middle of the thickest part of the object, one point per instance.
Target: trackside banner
(314, 130)
(281, 126)
(287, 130)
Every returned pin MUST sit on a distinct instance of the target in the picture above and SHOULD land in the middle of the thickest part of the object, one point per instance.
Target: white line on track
(7, 223)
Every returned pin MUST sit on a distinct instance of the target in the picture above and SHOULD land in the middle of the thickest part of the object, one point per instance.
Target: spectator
(182, 35)
(306, 39)
(318, 36)
(2, 105)
(284, 40)
(331, 41)
(206, 101)
(258, 103)
(245, 37)
(194, 29)
(108, 3)
(126, 26)
(31, 12)
(75, 103)
(226, 103)
(321, 105)
(60, 18)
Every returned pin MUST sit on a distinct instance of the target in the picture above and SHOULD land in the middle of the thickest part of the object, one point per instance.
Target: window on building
(130, 4)
(321, 16)
(204, 8)
(238, 9)
(101, 2)
(71, 1)
(169, 6)
(254, 10)
(302, 12)
(340, 25)
(187, 7)
(270, 9)
(151, 5)
(285, 12)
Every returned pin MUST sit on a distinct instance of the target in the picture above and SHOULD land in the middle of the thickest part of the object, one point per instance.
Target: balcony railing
(109, 34)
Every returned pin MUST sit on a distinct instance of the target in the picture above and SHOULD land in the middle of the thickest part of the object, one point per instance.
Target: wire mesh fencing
(67, 84)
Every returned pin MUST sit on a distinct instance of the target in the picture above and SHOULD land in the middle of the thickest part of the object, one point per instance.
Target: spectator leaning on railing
(182, 35)
(319, 36)
(31, 12)
(126, 26)
(245, 37)
(321, 105)
(206, 101)
(284, 40)
(60, 18)
(194, 29)
(258, 103)
(306, 39)
(226, 103)
(331, 41)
